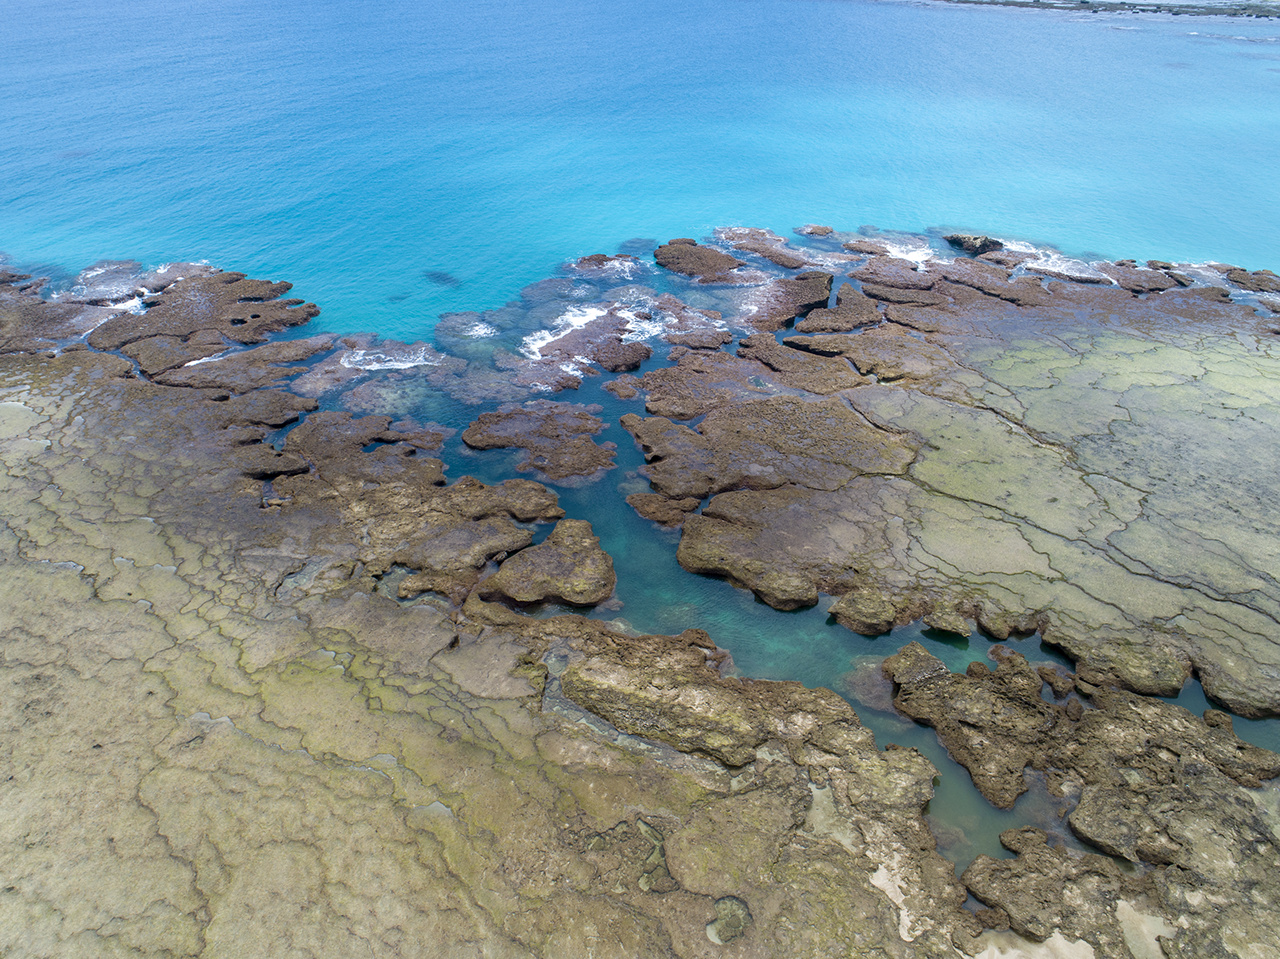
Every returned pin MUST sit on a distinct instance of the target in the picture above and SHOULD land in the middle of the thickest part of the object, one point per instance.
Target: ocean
(399, 160)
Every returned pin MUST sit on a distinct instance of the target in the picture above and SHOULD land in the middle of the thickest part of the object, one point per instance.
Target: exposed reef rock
(853, 310)
(685, 256)
(165, 563)
(775, 305)
(227, 304)
(557, 437)
(1051, 426)
(974, 244)
(568, 566)
(1152, 783)
(766, 244)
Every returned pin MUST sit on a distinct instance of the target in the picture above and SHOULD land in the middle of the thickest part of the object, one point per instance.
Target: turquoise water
(370, 152)
(397, 160)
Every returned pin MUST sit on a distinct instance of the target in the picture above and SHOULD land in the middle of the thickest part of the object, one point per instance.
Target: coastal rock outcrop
(686, 256)
(1150, 783)
(558, 437)
(568, 566)
(274, 654)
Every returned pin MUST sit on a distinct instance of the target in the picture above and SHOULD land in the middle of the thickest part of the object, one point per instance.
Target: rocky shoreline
(1262, 11)
(279, 683)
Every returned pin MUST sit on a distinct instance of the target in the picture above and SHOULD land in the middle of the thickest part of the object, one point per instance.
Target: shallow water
(424, 157)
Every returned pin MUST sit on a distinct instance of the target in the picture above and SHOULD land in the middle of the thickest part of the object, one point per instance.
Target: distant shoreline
(1259, 11)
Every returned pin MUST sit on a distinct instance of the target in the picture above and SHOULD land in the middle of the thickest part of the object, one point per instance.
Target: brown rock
(782, 300)
(1137, 280)
(568, 566)
(888, 271)
(799, 370)
(974, 244)
(242, 310)
(685, 256)
(661, 509)
(266, 366)
(556, 436)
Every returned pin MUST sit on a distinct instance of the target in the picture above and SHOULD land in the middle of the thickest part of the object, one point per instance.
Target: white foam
(208, 359)
(915, 249)
(1070, 266)
(638, 329)
(573, 319)
(481, 330)
(380, 360)
(132, 306)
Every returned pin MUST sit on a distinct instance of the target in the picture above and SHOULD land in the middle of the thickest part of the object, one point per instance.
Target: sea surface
(400, 158)
(397, 160)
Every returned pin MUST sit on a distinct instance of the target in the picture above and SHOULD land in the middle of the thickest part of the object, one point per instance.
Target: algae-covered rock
(568, 566)
(685, 256)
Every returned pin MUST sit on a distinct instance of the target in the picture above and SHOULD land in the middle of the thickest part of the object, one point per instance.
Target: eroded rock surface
(1069, 445)
(558, 437)
(1151, 783)
(259, 699)
(568, 566)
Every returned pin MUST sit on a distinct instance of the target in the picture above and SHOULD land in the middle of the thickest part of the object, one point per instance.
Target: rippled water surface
(400, 158)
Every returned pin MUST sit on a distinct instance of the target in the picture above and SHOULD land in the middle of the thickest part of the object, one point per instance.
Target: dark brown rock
(557, 437)
(885, 353)
(266, 366)
(782, 300)
(1262, 281)
(993, 280)
(243, 310)
(888, 271)
(853, 310)
(685, 256)
(817, 444)
(868, 247)
(700, 381)
(1137, 280)
(799, 370)
(910, 297)
(974, 244)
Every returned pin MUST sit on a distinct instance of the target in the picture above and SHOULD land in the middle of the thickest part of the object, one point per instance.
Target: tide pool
(399, 159)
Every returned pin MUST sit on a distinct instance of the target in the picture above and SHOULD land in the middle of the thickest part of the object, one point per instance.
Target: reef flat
(276, 685)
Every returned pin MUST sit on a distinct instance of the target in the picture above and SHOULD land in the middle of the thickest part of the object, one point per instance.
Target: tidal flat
(327, 645)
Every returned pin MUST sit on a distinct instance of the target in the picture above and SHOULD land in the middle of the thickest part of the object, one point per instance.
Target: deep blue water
(356, 148)
(399, 159)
